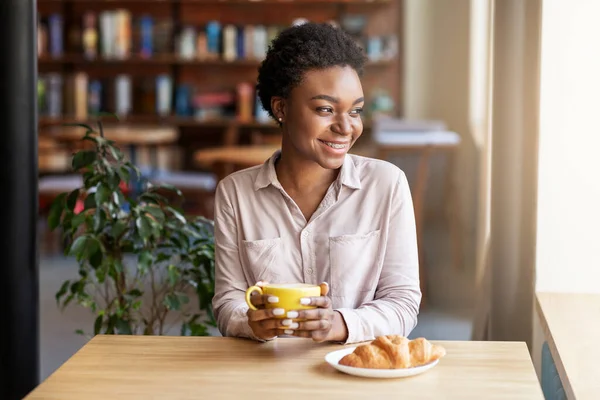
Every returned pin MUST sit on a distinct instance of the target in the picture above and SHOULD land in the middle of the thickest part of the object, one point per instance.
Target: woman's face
(321, 117)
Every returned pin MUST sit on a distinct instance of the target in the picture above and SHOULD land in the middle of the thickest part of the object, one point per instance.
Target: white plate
(334, 358)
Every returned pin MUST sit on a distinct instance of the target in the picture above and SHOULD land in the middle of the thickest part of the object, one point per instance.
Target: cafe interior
(485, 105)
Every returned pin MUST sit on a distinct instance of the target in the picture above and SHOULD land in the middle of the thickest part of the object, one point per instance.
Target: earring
(280, 119)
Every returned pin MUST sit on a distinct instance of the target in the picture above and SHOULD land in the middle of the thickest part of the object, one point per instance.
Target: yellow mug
(289, 295)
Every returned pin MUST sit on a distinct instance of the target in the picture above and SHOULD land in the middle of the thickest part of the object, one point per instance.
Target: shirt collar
(348, 175)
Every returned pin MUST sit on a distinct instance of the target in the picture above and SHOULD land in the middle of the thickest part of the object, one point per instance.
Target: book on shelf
(56, 34)
(245, 100)
(80, 96)
(90, 35)
(164, 88)
(146, 28)
(118, 34)
(123, 101)
(122, 33)
(94, 105)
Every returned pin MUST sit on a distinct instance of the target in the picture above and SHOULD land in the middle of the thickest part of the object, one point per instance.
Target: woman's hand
(263, 321)
(322, 323)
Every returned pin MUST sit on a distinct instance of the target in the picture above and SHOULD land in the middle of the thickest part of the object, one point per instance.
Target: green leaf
(114, 180)
(135, 293)
(169, 187)
(78, 246)
(172, 302)
(102, 194)
(123, 173)
(96, 259)
(162, 257)
(72, 199)
(198, 330)
(177, 214)
(98, 324)
(118, 265)
(83, 158)
(155, 212)
(89, 202)
(56, 210)
(78, 219)
(127, 246)
(99, 220)
(118, 198)
(62, 291)
(79, 332)
(144, 261)
(116, 153)
(91, 179)
(93, 246)
(118, 228)
(123, 327)
(151, 197)
(173, 274)
(144, 227)
(101, 275)
(183, 298)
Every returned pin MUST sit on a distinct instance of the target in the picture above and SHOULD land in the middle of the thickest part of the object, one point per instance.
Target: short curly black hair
(302, 48)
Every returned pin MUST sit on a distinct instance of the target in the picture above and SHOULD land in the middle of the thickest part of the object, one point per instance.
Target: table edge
(562, 372)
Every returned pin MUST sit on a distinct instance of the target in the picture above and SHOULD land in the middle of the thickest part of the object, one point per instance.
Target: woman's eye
(356, 111)
(325, 109)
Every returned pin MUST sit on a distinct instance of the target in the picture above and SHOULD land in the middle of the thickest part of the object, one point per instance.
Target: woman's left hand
(322, 323)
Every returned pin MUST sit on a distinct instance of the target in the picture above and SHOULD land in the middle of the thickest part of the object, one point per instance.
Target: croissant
(393, 352)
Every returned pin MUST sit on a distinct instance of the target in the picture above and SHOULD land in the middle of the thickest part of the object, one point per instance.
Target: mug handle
(249, 292)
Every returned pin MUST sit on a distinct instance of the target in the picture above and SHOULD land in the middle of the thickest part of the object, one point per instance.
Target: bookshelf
(161, 62)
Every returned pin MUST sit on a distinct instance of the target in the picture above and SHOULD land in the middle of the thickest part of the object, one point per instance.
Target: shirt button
(310, 271)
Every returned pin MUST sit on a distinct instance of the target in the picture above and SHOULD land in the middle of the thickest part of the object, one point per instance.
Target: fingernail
(305, 301)
(288, 332)
(292, 314)
(273, 299)
(294, 325)
(286, 322)
(278, 311)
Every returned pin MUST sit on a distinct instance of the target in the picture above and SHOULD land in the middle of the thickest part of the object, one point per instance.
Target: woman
(314, 213)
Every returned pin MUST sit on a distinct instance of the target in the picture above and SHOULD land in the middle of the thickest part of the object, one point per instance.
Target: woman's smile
(335, 147)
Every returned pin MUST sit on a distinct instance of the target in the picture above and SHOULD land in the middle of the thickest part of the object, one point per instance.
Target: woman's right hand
(264, 321)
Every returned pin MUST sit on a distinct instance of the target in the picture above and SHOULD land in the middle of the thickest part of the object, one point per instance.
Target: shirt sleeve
(395, 306)
(229, 303)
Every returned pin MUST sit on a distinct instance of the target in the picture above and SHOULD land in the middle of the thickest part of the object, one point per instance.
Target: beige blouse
(361, 240)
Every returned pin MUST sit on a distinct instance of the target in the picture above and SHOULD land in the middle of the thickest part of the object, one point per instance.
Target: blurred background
(468, 97)
(180, 76)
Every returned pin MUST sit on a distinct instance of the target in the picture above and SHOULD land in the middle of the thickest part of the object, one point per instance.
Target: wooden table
(571, 324)
(155, 367)
(241, 156)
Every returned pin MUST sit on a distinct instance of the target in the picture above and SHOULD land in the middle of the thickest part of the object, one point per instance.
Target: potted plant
(140, 259)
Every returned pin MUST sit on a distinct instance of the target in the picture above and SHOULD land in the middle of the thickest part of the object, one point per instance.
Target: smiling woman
(313, 213)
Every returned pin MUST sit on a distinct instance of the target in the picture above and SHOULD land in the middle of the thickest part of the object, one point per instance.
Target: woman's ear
(278, 107)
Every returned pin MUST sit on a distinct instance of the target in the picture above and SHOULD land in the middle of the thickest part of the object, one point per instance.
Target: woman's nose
(343, 125)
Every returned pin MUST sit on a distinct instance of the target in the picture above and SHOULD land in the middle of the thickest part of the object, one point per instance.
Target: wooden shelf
(45, 122)
(80, 60)
(155, 119)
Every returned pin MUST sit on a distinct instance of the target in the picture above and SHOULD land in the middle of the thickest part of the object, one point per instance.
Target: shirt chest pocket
(354, 261)
(263, 259)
